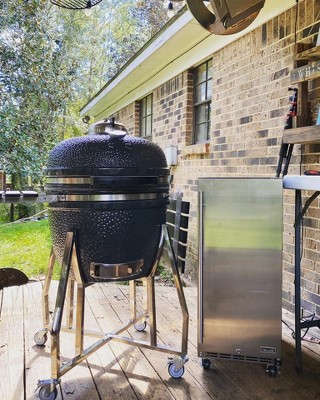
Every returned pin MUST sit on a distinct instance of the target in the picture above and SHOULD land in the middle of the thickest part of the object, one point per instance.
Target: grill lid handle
(110, 127)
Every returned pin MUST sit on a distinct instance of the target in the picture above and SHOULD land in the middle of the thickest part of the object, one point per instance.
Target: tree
(52, 61)
(116, 31)
(31, 88)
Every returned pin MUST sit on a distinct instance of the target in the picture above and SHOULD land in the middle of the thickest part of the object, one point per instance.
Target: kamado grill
(108, 196)
(112, 189)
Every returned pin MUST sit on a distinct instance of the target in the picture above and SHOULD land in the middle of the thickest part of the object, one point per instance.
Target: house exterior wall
(250, 102)
(129, 116)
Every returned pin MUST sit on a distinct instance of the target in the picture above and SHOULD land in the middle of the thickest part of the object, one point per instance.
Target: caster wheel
(175, 373)
(272, 371)
(44, 396)
(40, 338)
(140, 327)
(206, 364)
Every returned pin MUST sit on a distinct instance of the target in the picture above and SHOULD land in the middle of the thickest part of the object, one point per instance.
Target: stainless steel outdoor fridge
(240, 276)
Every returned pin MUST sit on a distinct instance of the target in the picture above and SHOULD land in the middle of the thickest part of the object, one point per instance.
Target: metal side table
(299, 183)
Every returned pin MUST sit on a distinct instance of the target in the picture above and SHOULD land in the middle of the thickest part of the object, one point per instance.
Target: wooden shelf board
(306, 72)
(310, 54)
(304, 135)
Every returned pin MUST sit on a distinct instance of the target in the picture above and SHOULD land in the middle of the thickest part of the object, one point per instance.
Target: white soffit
(180, 46)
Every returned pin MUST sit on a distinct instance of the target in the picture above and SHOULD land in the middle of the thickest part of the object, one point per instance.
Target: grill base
(71, 274)
(109, 237)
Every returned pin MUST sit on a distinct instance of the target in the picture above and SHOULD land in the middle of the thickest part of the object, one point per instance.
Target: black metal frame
(285, 153)
(177, 223)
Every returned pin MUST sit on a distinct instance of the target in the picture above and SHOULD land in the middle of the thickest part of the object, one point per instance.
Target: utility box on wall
(240, 277)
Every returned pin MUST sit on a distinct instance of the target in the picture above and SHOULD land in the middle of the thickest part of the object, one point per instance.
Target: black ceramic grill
(108, 195)
(112, 190)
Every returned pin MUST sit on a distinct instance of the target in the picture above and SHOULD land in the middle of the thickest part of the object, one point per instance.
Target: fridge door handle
(200, 273)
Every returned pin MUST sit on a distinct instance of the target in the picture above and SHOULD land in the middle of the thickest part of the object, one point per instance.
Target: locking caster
(176, 366)
(48, 389)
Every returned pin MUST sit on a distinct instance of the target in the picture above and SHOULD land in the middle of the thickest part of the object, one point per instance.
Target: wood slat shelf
(308, 65)
(306, 72)
(304, 135)
(309, 55)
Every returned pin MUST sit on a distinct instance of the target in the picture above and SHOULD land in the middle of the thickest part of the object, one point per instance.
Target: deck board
(11, 345)
(142, 377)
(120, 371)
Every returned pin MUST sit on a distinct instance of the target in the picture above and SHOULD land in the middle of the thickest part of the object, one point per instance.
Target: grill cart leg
(60, 300)
(45, 293)
(70, 303)
(48, 387)
(141, 325)
(176, 364)
(41, 337)
(179, 287)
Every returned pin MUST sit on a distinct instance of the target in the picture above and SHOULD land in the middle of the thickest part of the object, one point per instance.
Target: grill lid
(109, 147)
(107, 162)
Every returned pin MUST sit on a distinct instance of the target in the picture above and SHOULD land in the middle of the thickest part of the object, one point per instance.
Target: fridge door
(240, 277)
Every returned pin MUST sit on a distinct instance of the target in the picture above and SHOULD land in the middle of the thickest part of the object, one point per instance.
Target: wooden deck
(118, 371)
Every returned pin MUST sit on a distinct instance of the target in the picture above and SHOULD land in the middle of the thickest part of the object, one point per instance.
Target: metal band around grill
(70, 180)
(105, 171)
(91, 180)
(56, 198)
(116, 271)
(112, 197)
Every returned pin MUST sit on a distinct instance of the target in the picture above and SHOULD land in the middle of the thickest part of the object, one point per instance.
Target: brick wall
(129, 116)
(250, 102)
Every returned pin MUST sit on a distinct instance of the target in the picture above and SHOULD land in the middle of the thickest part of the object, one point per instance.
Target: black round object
(113, 192)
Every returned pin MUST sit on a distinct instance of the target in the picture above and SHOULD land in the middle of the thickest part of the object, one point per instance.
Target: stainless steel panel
(240, 282)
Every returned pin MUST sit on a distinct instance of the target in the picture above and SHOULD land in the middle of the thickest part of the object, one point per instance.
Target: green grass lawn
(26, 246)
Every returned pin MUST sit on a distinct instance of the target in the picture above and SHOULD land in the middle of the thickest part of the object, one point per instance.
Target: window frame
(145, 116)
(203, 103)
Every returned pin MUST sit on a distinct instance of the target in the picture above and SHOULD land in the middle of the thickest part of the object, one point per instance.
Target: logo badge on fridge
(268, 350)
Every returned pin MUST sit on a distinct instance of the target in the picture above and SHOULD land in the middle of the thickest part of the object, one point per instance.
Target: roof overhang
(179, 45)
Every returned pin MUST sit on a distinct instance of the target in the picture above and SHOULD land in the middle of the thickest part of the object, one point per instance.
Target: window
(202, 78)
(146, 117)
